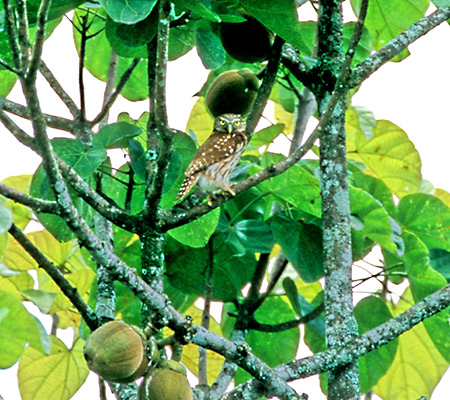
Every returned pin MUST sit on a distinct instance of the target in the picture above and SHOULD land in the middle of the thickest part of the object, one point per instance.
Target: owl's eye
(237, 123)
(222, 122)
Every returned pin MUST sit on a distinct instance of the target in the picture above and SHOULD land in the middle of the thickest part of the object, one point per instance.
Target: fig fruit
(167, 382)
(232, 92)
(248, 41)
(117, 352)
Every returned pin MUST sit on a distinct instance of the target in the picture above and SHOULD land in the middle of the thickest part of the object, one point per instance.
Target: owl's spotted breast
(217, 157)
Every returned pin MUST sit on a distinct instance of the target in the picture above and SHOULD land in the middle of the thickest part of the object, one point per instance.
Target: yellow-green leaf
(388, 155)
(190, 351)
(284, 117)
(200, 121)
(18, 327)
(21, 214)
(16, 258)
(17, 282)
(56, 376)
(418, 366)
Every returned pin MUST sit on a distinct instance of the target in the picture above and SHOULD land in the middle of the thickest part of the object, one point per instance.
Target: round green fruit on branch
(248, 41)
(232, 92)
(117, 352)
(167, 382)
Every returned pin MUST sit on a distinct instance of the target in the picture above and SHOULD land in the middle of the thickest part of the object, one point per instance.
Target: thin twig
(284, 326)
(56, 86)
(366, 68)
(110, 82)
(113, 97)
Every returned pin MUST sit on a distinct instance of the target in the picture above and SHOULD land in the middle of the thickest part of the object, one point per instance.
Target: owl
(216, 158)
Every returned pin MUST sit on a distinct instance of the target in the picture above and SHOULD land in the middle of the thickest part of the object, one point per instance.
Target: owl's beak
(230, 127)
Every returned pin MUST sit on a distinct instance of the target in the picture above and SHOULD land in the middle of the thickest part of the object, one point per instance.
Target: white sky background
(413, 94)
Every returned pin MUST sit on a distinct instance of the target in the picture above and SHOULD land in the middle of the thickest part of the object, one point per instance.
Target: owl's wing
(217, 147)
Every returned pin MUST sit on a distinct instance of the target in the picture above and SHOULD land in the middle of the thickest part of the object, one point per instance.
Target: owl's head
(229, 123)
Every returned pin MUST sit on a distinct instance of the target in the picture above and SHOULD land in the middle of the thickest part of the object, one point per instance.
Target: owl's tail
(187, 185)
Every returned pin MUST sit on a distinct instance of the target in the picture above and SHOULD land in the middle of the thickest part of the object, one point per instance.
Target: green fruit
(166, 382)
(232, 92)
(117, 352)
(248, 41)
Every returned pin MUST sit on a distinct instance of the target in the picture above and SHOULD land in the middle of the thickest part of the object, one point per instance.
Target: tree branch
(363, 70)
(62, 94)
(39, 39)
(265, 88)
(71, 292)
(12, 36)
(37, 205)
(52, 121)
(358, 347)
(159, 136)
(110, 100)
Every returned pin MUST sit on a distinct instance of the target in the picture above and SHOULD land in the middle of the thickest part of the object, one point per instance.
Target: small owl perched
(216, 158)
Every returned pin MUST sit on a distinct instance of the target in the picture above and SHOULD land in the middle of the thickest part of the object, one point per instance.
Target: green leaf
(209, 48)
(181, 40)
(388, 155)
(186, 268)
(376, 222)
(43, 300)
(440, 261)
(18, 327)
(281, 17)
(115, 135)
(296, 187)
(265, 136)
(84, 160)
(301, 244)
(386, 19)
(375, 187)
(131, 40)
(251, 235)
(58, 375)
(200, 8)
(417, 367)
(128, 11)
(424, 281)
(371, 312)
(137, 156)
(197, 232)
(428, 217)
(7, 81)
(6, 219)
(292, 293)
(274, 310)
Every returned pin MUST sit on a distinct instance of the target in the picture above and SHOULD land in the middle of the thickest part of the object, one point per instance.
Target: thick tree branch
(363, 70)
(159, 136)
(71, 292)
(39, 39)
